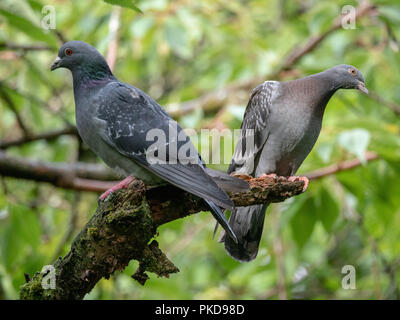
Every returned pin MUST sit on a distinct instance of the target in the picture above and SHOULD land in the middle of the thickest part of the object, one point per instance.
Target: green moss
(33, 290)
(116, 233)
(93, 233)
(154, 260)
(166, 204)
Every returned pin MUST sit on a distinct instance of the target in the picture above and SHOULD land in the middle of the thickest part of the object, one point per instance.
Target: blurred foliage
(177, 51)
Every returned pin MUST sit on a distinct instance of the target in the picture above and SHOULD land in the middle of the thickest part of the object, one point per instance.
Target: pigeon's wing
(254, 130)
(127, 115)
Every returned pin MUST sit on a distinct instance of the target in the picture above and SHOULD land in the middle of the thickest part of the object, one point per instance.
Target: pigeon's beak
(361, 86)
(56, 64)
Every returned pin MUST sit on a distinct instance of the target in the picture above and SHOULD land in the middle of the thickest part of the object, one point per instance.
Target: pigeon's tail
(220, 217)
(227, 182)
(247, 223)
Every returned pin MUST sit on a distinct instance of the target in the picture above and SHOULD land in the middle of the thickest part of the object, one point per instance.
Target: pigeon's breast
(292, 136)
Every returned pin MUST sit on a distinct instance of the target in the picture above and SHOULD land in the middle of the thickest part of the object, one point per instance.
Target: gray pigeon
(281, 125)
(115, 120)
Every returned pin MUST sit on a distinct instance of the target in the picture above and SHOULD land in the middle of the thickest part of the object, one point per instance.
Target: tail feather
(247, 223)
(220, 217)
(192, 178)
(227, 182)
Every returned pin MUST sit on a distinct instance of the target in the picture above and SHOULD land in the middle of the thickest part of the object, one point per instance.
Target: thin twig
(7, 99)
(33, 98)
(50, 135)
(341, 166)
(97, 178)
(24, 47)
(218, 98)
(391, 105)
(58, 173)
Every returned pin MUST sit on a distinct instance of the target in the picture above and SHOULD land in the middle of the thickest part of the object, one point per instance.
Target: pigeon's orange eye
(353, 71)
(68, 52)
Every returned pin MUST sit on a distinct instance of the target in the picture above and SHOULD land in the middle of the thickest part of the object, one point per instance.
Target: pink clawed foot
(124, 184)
(271, 175)
(305, 179)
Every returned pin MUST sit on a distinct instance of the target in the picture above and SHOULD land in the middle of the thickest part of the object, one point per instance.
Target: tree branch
(24, 47)
(217, 98)
(69, 176)
(97, 178)
(341, 166)
(125, 223)
(122, 228)
(364, 9)
(50, 135)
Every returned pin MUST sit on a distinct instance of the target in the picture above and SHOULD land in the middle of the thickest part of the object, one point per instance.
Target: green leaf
(391, 13)
(324, 151)
(28, 27)
(22, 234)
(328, 210)
(141, 26)
(303, 221)
(177, 39)
(36, 5)
(124, 3)
(355, 141)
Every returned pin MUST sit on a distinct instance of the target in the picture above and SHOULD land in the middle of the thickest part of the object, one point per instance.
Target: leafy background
(178, 51)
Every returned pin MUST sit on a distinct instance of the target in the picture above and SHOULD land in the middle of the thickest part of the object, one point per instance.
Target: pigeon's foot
(305, 179)
(291, 179)
(124, 184)
(271, 175)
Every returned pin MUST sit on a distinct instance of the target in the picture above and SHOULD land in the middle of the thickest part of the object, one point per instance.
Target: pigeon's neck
(318, 89)
(328, 80)
(91, 77)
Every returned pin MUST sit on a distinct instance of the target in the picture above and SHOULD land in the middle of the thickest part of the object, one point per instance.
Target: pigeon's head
(348, 77)
(79, 55)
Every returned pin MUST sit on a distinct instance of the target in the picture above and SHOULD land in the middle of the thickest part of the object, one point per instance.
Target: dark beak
(361, 86)
(56, 64)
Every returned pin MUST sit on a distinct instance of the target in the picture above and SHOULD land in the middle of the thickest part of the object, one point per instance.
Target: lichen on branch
(123, 228)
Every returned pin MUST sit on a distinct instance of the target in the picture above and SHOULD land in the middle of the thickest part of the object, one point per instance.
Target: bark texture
(123, 228)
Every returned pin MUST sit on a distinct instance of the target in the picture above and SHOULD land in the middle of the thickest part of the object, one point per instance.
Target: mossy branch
(123, 228)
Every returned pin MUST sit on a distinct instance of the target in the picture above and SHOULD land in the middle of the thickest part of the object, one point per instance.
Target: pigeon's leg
(124, 184)
(305, 179)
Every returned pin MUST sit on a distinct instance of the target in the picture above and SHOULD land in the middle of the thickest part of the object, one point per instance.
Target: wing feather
(254, 128)
(126, 115)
